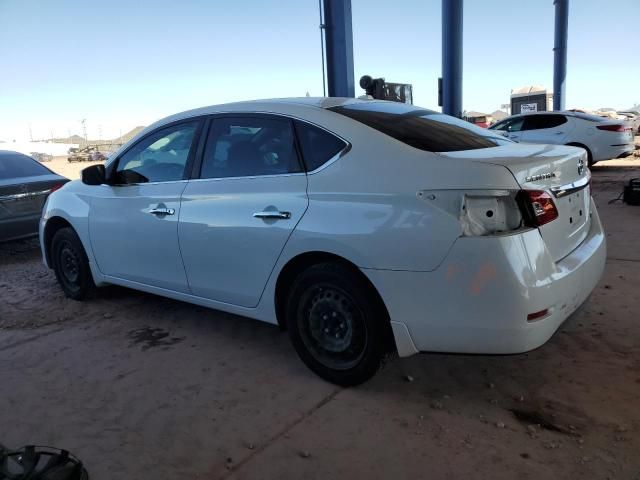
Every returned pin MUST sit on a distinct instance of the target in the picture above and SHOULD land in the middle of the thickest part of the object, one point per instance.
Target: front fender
(71, 204)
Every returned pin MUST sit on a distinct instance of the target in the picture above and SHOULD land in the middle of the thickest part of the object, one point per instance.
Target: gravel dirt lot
(143, 387)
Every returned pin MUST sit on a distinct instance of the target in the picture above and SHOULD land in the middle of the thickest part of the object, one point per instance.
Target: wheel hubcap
(69, 264)
(333, 328)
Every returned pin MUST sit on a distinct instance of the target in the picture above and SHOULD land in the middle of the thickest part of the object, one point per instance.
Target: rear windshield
(15, 165)
(421, 128)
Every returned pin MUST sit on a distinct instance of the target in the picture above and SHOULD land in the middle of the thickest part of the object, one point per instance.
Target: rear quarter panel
(366, 205)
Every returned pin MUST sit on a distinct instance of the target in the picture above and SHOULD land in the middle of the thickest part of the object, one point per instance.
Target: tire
(71, 265)
(336, 324)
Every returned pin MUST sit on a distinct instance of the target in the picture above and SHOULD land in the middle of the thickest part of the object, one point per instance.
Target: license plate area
(576, 208)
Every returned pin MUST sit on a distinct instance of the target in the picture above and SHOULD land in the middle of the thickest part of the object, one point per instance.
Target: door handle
(273, 214)
(559, 133)
(162, 211)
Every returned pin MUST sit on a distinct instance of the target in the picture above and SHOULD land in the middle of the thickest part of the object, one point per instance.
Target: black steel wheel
(70, 264)
(336, 324)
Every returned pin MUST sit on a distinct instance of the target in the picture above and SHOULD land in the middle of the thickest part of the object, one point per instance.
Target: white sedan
(361, 227)
(602, 138)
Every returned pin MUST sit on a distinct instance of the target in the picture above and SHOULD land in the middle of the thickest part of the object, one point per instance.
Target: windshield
(421, 128)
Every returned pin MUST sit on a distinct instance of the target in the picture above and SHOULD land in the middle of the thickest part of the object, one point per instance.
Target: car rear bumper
(614, 151)
(479, 298)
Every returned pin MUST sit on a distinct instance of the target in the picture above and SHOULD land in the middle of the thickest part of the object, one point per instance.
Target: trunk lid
(26, 196)
(562, 172)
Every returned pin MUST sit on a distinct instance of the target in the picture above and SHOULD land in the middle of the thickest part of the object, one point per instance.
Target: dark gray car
(25, 184)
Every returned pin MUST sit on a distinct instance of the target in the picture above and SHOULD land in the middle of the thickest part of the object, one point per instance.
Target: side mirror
(94, 175)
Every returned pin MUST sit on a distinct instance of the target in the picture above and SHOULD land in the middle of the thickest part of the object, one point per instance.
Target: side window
(514, 125)
(538, 122)
(556, 120)
(318, 145)
(250, 146)
(159, 157)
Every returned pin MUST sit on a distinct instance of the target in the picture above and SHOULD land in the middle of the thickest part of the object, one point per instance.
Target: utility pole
(83, 122)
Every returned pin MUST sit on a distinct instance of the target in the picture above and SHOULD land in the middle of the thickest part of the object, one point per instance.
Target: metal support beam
(339, 43)
(452, 57)
(560, 53)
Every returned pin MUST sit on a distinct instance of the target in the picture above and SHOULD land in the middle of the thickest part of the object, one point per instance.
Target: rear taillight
(56, 187)
(613, 128)
(539, 206)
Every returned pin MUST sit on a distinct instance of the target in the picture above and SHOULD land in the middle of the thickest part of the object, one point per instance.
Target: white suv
(602, 138)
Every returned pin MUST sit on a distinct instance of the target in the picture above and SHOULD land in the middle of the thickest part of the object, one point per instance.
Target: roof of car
(568, 113)
(318, 102)
(265, 105)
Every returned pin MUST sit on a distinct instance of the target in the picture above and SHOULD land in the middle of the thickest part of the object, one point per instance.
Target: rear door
(546, 128)
(236, 217)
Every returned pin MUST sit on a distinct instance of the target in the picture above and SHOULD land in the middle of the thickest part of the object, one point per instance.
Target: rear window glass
(318, 146)
(15, 165)
(421, 128)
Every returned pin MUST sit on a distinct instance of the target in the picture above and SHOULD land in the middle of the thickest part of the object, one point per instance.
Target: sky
(123, 63)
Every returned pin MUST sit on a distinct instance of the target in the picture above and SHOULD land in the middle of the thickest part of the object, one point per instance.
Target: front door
(237, 217)
(133, 221)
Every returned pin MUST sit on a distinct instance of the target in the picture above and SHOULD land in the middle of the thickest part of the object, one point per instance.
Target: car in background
(41, 157)
(25, 185)
(634, 119)
(602, 138)
(360, 226)
(85, 154)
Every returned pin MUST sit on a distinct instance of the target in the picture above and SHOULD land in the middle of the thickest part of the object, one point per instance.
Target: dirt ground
(61, 166)
(143, 387)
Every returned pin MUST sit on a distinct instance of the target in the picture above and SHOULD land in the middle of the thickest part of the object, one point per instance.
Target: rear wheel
(71, 265)
(336, 325)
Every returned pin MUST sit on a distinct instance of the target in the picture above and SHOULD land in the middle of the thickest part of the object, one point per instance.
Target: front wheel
(336, 324)
(71, 265)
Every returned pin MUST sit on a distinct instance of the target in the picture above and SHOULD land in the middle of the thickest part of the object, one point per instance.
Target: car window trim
(186, 174)
(197, 169)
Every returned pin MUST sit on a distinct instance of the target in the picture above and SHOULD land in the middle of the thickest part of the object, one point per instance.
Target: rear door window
(16, 165)
(421, 128)
(247, 146)
(539, 122)
(318, 145)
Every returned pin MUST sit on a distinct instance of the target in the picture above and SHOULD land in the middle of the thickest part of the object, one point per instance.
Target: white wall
(54, 149)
